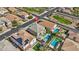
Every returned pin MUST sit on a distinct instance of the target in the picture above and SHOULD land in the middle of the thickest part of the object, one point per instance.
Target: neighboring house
(3, 11)
(67, 10)
(23, 39)
(12, 9)
(7, 22)
(47, 24)
(12, 17)
(2, 26)
(23, 15)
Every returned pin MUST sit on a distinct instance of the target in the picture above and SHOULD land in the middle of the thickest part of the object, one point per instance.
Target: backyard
(37, 47)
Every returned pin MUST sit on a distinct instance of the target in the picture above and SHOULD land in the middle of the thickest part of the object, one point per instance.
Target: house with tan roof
(7, 22)
(2, 26)
(12, 9)
(47, 24)
(12, 17)
(24, 39)
(23, 15)
(3, 11)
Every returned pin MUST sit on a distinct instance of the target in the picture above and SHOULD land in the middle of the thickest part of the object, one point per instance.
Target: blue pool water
(56, 30)
(54, 43)
(47, 37)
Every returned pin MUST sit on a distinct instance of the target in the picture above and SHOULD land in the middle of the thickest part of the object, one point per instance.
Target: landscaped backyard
(62, 20)
(37, 47)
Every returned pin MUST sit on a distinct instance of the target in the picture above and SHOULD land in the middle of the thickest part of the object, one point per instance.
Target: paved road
(46, 13)
(14, 30)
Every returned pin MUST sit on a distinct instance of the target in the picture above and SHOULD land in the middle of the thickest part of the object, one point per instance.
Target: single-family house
(3, 11)
(12, 9)
(47, 24)
(12, 17)
(2, 26)
(23, 39)
(7, 22)
(23, 15)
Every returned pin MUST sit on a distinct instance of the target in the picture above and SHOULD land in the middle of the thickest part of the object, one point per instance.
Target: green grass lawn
(34, 10)
(62, 20)
(47, 30)
(37, 47)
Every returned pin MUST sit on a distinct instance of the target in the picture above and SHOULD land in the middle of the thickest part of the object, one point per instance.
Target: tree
(14, 23)
(30, 17)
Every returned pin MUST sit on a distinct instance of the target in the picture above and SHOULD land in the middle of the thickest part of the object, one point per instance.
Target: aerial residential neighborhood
(39, 28)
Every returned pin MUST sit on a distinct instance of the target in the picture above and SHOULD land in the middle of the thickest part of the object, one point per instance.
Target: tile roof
(12, 9)
(22, 13)
(47, 24)
(25, 35)
(12, 17)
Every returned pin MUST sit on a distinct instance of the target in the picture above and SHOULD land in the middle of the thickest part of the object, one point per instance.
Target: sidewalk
(5, 31)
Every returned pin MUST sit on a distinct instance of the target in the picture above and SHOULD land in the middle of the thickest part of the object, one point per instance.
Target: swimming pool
(47, 37)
